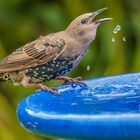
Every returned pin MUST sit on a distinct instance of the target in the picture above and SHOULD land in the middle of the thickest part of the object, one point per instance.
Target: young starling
(52, 56)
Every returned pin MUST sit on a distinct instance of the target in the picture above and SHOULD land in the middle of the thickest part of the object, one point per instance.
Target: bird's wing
(32, 54)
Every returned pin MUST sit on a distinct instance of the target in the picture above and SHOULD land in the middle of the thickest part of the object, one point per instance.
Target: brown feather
(31, 55)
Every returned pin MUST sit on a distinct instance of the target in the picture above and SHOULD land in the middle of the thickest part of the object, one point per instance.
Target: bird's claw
(50, 89)
(42, 87)
(74, 80)
(79, 78)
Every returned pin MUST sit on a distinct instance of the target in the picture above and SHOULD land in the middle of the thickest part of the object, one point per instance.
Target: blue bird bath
(108, 108)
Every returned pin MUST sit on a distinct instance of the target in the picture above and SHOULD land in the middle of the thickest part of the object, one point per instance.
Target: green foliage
(22, 21)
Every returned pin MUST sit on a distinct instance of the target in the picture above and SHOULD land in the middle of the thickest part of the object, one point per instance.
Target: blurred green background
(22, 21)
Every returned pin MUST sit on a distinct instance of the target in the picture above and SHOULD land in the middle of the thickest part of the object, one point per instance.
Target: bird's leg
(72, 80)
(41, 86)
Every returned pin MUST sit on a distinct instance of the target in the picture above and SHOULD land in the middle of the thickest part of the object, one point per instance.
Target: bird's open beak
(94, 14)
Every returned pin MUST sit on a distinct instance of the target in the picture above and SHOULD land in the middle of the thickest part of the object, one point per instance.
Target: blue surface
(108, 108)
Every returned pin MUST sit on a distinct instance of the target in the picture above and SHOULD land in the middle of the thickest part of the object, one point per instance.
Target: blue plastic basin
(108, 108)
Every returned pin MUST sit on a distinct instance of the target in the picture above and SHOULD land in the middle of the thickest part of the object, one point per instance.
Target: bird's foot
(41, 86)
(72, 80)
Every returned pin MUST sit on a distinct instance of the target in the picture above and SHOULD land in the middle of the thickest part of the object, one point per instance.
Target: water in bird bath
(139, 77)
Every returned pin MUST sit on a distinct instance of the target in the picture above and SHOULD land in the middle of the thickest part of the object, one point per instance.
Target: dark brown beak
(99, 11)
(103, 20)
(94, 14)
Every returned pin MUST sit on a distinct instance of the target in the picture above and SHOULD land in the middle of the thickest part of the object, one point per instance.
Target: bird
(52, 56)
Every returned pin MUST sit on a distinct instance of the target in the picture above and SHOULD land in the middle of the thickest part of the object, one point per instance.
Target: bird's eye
(83, 21)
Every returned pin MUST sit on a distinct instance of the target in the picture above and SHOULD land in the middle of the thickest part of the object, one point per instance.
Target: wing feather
(32, 54)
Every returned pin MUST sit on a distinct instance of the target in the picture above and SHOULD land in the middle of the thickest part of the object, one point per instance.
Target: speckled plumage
(52, 56)
(51, 70)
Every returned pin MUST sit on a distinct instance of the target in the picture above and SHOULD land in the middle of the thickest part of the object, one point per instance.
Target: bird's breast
(82, 52)
(50, 70)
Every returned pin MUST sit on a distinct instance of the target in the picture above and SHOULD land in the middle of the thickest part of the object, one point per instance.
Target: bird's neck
(80, 37)
(82, 41)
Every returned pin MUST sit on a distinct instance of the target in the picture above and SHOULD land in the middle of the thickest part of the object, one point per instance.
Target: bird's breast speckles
(50, 70)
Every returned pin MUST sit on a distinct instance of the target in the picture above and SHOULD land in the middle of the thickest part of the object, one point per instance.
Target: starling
(52, 56)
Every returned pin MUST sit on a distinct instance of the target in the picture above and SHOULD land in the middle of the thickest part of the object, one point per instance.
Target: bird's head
(83, 28)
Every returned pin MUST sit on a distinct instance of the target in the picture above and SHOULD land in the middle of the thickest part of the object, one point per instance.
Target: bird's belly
(78, 59)
(50, 70)
(81, 55)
